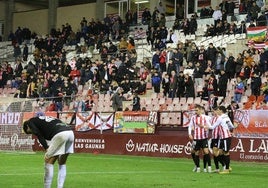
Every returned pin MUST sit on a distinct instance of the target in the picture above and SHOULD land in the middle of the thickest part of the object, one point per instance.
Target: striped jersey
(198, 131)
(215, 132)
(224, 123)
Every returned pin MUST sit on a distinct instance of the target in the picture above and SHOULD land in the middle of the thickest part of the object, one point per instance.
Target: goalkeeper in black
(61, 139)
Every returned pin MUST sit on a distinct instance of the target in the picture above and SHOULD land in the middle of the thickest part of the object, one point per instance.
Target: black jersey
(45, 127)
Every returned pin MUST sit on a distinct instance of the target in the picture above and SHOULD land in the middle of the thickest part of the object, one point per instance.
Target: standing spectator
(180, 85)
(255, 85)
(156, 60)
(230, 8)
(222, 84)
(66, 69)
(203, 12)
(3, 77)
(129, 17)
(150, 37)
(253, 12)
(58, 96)
(238, 64)
(25, 52)
(156, 82)
(180, 12)
(229, 66)
(17, 51)
(161, 8)
(166, 84)
(173, 85)
(75, 75)
(189, 86)
(217, 16)
(239, 90)
(146, 16)
(136, 103)
(198, 75)
(263, 60)
(117, 99)
(18, 68)
(193, 25)
(231, 110)
(79, 106)
(178, 59)
(162, 60)
(185, 26)
(211, 53)
(212, 85)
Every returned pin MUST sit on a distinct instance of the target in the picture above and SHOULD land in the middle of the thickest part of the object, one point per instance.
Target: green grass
(20, 170)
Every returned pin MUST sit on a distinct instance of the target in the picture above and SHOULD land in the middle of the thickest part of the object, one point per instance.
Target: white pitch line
(103, 172)
(121, 172)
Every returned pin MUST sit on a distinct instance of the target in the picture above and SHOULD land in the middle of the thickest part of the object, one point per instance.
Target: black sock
(208, 159)
(197, 161)
(216, 162)
(205, 161)
(227, 161)
(221, 159)
(193, 156)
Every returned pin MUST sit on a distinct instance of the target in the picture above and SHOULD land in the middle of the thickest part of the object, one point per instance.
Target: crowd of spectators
(50, 75)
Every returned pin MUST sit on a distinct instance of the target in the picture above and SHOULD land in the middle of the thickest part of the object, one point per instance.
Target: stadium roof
(44, 3)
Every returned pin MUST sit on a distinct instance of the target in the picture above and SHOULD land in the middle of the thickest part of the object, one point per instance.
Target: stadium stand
(123, 64)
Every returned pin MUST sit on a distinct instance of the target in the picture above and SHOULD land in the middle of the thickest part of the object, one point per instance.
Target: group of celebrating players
(221, 134)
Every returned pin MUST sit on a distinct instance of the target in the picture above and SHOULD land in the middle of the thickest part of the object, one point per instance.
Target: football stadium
(168, 93)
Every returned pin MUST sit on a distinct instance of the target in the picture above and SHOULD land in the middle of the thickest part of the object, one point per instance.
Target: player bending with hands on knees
(61, 145)
(224, 124)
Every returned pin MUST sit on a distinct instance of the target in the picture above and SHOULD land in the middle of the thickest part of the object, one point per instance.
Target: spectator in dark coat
(17, 51)
(189, 86)
(255, 85)
(222, 84)
(211, 53)
(230, 66)
(136, 103)
(25, 52)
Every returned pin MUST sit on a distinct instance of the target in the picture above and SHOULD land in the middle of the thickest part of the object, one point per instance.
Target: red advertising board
(175, 146)
(251, 124)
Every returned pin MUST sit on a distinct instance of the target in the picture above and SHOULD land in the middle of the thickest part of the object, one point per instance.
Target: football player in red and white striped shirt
(215, 138)
(197, 125)
(224, 124)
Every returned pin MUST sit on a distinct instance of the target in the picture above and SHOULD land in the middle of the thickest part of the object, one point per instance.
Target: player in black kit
(61, 145)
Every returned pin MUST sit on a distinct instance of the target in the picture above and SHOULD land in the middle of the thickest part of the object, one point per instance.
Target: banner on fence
(104, 121)
(135, 122)
(251, 124)
(85, 121)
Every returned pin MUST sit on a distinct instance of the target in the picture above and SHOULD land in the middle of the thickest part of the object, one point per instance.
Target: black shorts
(214, 143)
(200, 144)
(225, 144)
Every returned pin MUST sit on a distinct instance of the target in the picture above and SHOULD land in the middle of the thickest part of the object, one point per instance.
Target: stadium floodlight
(141, 2)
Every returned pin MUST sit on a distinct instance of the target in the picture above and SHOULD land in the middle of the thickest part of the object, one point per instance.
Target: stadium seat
(170, 107)
(190, 100)
(163, 107)
(177, 107)
(161, 101)
(197, 100)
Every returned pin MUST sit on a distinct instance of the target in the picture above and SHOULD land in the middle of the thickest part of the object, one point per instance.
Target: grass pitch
(24, 170)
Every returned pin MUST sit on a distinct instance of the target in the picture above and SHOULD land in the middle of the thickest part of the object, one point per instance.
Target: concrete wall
(37, 20)
(74, 14)
(2, 10)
